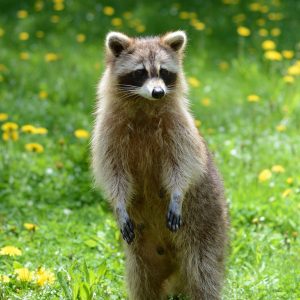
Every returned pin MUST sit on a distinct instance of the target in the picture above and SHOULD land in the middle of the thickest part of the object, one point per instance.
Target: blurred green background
(58, 239)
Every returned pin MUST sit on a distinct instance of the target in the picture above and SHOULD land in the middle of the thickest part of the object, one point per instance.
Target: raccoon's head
(146, 67)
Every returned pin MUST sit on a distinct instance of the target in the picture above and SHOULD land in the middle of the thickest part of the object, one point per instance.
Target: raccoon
(157, 172)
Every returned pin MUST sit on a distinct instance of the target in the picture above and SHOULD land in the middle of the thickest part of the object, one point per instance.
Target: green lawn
(245, 98)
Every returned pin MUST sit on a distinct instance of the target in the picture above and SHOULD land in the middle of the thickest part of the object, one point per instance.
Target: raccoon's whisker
(128, 91)
(127, 96)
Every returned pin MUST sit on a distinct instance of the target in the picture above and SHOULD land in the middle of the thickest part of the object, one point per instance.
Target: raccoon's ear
(176, 40)
(116, 42)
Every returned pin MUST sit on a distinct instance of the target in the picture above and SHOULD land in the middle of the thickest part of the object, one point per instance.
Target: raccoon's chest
(145, 146)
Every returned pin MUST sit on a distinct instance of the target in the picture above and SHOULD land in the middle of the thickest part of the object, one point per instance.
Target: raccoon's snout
(158, 93)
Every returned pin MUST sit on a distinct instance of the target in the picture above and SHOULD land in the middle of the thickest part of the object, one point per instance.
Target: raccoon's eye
(168, 77)
(163, 72)
(140, 72)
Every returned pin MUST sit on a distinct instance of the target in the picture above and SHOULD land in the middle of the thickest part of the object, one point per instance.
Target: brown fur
(145, 152)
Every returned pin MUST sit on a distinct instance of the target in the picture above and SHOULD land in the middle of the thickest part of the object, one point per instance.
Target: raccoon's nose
(158, 93)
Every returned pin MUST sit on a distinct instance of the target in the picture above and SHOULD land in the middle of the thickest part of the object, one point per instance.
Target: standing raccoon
(157, 172)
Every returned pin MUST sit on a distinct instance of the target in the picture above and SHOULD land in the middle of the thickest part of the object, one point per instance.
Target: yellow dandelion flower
(273, 55)
(198, 123)
(14, 135)
(23, 274)
(40, 130)
(50, 57)
(276, 31)
(264, 175)
(206, 102)
(22, 14)
(44, 277)
(34, 147)
(59, 6)
(289, 180)
(2, 32)
(268, 45)
(3, 116)
(9, 126)
(127, 15)
(243, 31)
(239, 18)
(30, 226)
(58, 1)
(194, 82)
(278, 169)
(55, 19)
(5, 136)
(28, 128)
(193, 15)
(40, 34)
(108, 10)
(140, 28)
(39, 5)
(286, 193)
(198, 25)
(80, 38)
(261, 22)
(294, 70)
(223, 65)
(253, 98)
(255, 6)
(263, 32)
(281, 128)
(43, 94)
(81, 134)
(23, 36)
(4, 278)
(10, 251)
(264, 9)
(184, 15)
(24, 55)
(116, 22)
(288, 54)
(288, 79)
(10, 135)
(273, 16)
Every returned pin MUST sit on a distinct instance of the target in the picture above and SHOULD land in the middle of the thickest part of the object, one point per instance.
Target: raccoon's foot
(174, 219)
(125, 224)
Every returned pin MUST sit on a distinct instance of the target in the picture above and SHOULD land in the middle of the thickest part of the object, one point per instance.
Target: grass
(76, 237)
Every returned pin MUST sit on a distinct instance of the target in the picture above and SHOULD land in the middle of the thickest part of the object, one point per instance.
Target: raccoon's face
(146, 67)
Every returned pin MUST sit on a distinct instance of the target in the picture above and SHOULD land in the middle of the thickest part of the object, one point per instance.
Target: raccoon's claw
(127, 230)
(173, 220)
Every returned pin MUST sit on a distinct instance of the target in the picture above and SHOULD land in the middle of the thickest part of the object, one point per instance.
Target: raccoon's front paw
(174, 220)
(127, 230)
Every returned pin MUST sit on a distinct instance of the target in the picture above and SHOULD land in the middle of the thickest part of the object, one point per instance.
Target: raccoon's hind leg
(203, 273)
(149, 263)
(141, 282)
